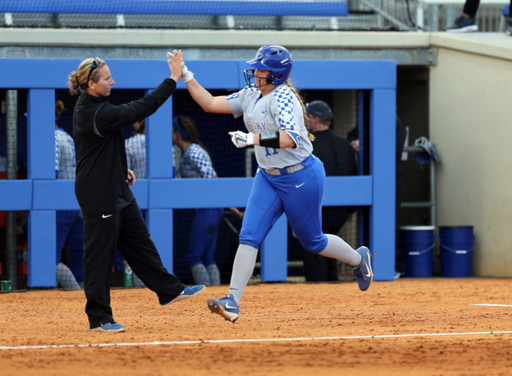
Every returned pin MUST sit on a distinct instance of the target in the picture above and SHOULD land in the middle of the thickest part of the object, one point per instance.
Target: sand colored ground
(301, 325)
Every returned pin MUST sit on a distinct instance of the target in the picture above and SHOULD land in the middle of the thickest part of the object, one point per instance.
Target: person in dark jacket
(111, 215)
(339, 159)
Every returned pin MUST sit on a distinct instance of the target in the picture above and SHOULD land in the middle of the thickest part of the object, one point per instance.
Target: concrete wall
(470, 123)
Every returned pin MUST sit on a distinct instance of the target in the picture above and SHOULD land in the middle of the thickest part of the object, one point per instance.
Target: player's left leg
(307, 188)
(263, 210)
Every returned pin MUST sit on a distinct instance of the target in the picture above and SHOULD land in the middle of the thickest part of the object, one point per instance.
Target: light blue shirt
(65, 159)
(136, 155)
(278, 110)
(196, 163)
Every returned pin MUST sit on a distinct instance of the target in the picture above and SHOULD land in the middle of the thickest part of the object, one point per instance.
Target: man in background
(339, 159)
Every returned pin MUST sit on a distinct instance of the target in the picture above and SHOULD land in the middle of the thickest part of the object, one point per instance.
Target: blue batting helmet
(276, 59)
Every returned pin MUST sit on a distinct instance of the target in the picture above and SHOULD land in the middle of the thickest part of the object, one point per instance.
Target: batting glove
(241, 139)
(186, 74)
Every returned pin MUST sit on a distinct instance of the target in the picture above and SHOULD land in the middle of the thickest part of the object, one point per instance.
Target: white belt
(286, 170)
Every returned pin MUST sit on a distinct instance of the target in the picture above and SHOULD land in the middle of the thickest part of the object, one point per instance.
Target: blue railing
(203, 7)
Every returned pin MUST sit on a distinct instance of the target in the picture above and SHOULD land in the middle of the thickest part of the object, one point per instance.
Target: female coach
(112, 218)
(289, 177)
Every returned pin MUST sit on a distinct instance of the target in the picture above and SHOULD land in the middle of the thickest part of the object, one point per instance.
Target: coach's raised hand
(175, 65)
(186, 74)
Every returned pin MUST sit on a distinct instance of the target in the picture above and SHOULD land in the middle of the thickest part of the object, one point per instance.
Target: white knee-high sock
(338, 249)
(65, 277)
(200, 275)
(243, 267)
(214, 273)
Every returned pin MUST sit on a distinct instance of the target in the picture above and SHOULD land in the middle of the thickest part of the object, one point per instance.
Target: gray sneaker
(363, 271)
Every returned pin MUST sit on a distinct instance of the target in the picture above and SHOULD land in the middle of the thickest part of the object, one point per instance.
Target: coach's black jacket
(101, 170)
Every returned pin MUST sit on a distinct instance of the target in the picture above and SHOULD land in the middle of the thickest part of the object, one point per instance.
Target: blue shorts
(299, 195)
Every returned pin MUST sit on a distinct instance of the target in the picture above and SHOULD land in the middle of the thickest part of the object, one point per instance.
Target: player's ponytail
(304, 112)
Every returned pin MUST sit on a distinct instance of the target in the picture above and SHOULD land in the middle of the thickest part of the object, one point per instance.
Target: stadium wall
(469, 97)
(468, 82)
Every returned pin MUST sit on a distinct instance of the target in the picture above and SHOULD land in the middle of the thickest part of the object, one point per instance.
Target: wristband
(270, 140)
(188, 76)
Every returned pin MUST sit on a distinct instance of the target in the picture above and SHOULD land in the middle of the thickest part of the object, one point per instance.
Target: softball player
(289, 178)
(69, 222)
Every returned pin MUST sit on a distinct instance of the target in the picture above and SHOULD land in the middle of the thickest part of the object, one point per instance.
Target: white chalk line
(157, 343)
(492, 305)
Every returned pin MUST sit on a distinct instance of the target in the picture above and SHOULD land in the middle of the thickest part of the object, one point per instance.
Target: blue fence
(208, 7)
(41, 194)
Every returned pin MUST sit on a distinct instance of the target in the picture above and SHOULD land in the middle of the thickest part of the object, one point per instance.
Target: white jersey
(136, 155)
(278, 110)
(65, 159)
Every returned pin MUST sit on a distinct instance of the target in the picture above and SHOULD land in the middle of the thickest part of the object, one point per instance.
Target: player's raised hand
(241, 139)
(186, 74)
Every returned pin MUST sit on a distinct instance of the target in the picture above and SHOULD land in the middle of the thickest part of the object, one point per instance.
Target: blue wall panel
(41, 134)
(382, 168)
(15, 194)
(55, 195)
(199, 193)
(274, 255)
(141, 192)
(336, 74)
(42, 250)
(348, 190)
(160, 192)
(160, 225)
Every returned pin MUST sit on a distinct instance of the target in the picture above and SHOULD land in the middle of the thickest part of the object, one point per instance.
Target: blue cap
(176, 125)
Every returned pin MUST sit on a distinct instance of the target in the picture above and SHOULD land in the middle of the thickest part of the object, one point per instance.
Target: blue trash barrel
(417, 244)
(456, 246)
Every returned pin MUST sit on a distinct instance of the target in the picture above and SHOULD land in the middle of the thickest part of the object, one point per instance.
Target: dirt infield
(407, 327)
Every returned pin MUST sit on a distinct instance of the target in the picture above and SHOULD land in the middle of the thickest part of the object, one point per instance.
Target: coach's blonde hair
(304, 112)
(78, 80)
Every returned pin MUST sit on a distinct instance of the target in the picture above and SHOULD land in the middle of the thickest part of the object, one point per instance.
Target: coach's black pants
(126, 231)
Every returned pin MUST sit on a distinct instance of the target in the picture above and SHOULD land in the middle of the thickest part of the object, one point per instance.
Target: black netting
(13, 165)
